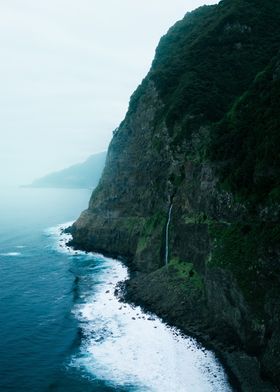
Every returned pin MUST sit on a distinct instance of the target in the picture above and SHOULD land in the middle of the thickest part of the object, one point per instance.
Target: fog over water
(67, 71)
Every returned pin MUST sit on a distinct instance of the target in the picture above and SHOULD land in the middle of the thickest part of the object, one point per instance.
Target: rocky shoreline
(152, 294)
(202, 134)
(243, 371)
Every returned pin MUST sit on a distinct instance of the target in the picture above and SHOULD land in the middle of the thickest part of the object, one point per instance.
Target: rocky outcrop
(179, 143)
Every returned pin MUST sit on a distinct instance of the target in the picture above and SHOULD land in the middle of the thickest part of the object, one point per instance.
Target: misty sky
(67, 70)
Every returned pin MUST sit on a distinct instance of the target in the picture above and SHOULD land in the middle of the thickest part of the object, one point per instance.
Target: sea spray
(127, 348)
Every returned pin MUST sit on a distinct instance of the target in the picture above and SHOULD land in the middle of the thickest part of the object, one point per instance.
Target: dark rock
(218, 65)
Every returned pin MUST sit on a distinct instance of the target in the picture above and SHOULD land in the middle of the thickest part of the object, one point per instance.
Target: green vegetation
(248, 251)
(132, 224)
(221, 97)
(198, 218)
(210, 58)
(150, 225)
(218, 74)
(136, 96)
(246, 145)
(214, 128)
(185, 273)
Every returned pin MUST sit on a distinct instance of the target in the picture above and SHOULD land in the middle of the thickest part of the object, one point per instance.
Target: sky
(67, 70)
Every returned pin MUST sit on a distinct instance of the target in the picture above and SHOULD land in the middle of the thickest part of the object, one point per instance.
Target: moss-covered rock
(202, 133)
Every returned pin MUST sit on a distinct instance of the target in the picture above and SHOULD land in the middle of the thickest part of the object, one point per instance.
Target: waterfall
(167, 235)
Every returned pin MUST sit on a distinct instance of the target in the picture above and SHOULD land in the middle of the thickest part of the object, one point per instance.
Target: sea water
(61, 326)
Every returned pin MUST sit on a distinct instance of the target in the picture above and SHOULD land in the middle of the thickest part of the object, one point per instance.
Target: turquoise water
(61, 327)
(38, 333)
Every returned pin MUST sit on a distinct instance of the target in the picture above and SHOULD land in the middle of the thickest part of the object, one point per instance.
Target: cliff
(82, 175)
(202, 134)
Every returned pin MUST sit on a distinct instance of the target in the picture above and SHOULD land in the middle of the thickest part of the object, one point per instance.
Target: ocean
(61, 326)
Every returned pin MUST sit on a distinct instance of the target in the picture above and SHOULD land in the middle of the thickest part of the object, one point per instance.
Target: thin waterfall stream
(167, 235)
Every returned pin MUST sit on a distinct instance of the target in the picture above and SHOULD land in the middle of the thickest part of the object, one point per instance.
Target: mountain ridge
(202, 131)
(81, 175)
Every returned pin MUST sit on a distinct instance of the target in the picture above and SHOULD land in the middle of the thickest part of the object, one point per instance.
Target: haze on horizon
(67, 71)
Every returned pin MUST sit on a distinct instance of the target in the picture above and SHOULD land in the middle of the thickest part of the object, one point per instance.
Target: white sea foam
(126, 347)
(62, 238)
(10, 254)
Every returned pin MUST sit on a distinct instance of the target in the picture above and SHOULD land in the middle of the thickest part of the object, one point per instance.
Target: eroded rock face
(134, 187)
(222, 281)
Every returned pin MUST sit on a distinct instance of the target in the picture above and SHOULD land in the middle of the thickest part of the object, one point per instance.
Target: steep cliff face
(128, 193)
(202, 134)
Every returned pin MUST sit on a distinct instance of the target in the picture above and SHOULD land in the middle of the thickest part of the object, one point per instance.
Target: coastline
(205, 369)
(243, 371)
(233, 361)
